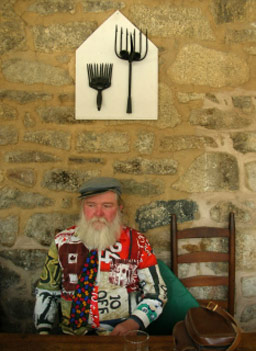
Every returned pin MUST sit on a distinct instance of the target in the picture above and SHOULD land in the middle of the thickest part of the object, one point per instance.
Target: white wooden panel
(99, 48)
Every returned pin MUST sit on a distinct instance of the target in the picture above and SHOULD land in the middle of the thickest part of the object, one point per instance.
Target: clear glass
(136, 340)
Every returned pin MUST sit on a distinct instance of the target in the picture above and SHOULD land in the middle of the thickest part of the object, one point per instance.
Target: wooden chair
(206, 256)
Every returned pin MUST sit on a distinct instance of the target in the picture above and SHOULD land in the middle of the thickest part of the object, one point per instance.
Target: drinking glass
(136, 340)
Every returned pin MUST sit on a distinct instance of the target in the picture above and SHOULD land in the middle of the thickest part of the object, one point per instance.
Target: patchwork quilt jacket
(128, 285)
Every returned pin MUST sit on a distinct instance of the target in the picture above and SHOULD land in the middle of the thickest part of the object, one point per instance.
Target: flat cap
(100, 185)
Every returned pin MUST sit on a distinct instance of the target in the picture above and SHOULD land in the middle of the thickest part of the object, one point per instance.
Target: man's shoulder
(132, 231)
(140, 244)
(66, 234)
(128, 230)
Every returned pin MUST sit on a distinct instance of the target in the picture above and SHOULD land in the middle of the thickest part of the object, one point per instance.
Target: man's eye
(90, 205)
(107, 205)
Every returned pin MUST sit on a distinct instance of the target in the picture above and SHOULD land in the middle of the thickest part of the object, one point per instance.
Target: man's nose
(99, 211)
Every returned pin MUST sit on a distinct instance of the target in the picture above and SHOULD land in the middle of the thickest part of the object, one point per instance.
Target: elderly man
(103, 275)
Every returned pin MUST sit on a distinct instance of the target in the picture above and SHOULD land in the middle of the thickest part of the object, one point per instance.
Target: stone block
(62, 37)
(103, 142)
(8, 135)
(12, 197)
(157, 213)
(67, 180)
(23, 96)
(191, 96)
(167, 20)
(32, 72)
(229, 11)
(12, 36)
(168, 114)
(57, 114)
(145, 188)
(7, 9)
(9, 228)
(244, 142)
(101, 6)
(249, 313)
(213, 118)
(29, 156)
(9, 278)
(248, 286)
(212, 97)
(43, 226)
(243, 102)
(245, 249)
(250, 170)
(54, 138)
(185, 142)
(86, 160)
(30, 259)
(145, 166)
(7, 112)
(199, 65)
(210, 172)
(220, 213)
(22, 176)
(47, 7)
(241, 35)
(144, 143)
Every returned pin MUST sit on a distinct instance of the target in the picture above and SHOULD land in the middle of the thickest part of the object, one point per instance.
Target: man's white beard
(101, 238)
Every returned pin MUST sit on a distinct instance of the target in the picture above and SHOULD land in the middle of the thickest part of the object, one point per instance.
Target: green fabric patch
(179, 301)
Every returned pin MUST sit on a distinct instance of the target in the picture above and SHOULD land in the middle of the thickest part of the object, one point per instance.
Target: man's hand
(124, 327)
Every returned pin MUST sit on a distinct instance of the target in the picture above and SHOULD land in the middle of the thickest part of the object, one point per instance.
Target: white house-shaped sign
(99, 49)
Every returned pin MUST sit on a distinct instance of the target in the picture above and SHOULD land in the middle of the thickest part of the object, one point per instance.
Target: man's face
(101, 206)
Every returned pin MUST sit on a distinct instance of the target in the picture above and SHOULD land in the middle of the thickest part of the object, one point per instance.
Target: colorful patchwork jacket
(129, 283)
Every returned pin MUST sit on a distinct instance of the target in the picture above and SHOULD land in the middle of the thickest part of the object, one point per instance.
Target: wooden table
(27, 342)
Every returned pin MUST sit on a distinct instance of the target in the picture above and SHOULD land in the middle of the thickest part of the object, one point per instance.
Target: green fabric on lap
(179, 301)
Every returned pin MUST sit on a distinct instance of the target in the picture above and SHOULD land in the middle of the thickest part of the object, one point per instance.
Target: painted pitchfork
(130, 54)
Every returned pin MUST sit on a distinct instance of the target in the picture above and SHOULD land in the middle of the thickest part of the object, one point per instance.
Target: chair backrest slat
(204, 280)
(203, 232)
(203, 256)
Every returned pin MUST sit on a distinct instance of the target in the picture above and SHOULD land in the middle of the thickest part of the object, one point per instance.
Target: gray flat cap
(100, 185)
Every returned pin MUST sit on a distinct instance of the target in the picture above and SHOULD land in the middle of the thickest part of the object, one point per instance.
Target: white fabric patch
(73, 278)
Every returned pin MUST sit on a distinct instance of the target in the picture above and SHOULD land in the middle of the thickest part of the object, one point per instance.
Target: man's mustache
(99, 219)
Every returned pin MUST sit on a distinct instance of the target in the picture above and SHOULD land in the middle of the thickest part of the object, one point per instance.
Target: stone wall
(197, 160)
